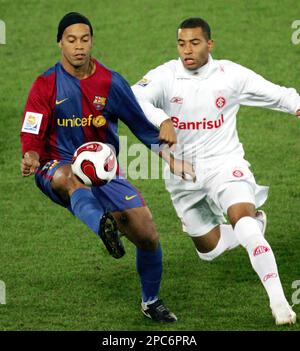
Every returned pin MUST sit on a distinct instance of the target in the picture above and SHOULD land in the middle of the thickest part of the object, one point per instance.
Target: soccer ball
(94, 163)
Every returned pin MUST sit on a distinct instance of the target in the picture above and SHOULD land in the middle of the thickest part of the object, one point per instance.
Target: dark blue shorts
(117, 195)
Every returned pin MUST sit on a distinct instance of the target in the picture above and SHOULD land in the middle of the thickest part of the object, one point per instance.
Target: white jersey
(203, 104)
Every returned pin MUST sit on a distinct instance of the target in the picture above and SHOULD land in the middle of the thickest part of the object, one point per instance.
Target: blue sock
(86, 207)
(149, 267)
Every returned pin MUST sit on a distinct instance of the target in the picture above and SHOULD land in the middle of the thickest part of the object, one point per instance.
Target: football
(94, 163)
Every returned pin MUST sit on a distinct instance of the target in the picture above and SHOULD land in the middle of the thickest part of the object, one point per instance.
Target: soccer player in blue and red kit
(76, 101)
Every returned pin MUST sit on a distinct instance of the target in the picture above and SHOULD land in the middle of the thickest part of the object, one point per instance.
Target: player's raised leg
(58, 182)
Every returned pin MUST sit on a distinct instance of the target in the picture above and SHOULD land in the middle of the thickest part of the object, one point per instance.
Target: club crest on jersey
(99, 102)
(143, 82)
(220, 102)
(237, 173)
(177, 100)
(32, 122)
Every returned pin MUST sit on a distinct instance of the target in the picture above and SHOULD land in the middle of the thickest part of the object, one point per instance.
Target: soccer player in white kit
(200, 97)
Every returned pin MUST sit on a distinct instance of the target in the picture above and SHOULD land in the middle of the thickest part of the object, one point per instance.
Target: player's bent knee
(149, 240)
(239, 211)
(139, 227)
(148, 244)
(64, 181)
(151, 237)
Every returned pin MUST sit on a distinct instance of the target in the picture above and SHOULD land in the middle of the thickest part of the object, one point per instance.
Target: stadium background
(57, 274)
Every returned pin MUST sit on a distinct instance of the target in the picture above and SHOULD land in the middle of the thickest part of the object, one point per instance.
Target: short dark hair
(69, 19)
(196, 22)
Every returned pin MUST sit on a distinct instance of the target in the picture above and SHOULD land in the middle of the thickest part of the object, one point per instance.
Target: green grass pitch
(58, 275)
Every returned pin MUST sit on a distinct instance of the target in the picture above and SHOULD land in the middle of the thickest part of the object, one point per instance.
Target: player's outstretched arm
(30, 162)
(254, 90)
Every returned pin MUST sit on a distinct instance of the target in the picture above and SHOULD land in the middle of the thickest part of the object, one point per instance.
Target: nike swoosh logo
(130, 197)
(60, 101)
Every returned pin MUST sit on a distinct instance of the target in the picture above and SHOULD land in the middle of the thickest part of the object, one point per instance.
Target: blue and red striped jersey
(63, 112)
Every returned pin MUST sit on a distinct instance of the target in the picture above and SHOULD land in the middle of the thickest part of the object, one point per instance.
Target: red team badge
(260, 250)
(220, 102)
(237, 173)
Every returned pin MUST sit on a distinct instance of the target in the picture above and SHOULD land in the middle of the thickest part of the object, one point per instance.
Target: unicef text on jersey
(2, 32)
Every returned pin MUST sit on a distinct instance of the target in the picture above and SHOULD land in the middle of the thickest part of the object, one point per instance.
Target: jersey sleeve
(128, 110)
(254, 90)
(150, 92)
(36, 117)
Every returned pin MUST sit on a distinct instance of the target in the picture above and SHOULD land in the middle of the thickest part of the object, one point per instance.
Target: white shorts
(201, 205)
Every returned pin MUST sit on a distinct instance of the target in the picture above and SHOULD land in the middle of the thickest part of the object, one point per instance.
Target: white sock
(249, 234)
(227, 241)
(228, 237)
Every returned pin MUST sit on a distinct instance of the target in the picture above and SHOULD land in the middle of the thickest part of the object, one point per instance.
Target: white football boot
(261, 218)
(283, 314)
